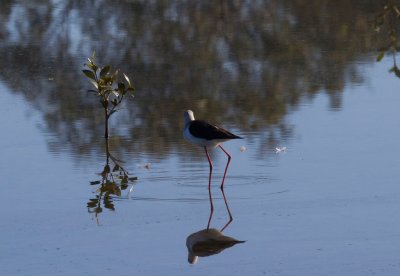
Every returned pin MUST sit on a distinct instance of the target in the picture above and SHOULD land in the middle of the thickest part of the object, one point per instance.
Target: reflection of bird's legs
(229, 211)
(226, 168)
(211, 209)
(222, 189)
(209, 189)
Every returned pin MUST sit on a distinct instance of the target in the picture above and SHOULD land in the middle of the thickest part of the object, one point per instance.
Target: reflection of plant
(112, 182)
(386, 21)
(110, 92)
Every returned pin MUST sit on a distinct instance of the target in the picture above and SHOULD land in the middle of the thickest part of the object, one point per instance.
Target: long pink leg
(222, 189)
(209, 189)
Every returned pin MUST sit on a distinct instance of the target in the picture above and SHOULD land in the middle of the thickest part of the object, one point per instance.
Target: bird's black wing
(205, 130)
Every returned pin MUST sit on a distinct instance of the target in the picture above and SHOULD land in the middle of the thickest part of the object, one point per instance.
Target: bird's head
(188, 115)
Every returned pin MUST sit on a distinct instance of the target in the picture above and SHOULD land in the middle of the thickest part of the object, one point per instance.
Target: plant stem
(106, 123)
(107, 152)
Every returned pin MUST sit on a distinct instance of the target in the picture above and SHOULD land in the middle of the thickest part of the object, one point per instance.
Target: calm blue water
(327, 205)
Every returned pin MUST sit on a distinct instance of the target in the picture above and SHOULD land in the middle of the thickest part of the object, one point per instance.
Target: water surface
(280, 75)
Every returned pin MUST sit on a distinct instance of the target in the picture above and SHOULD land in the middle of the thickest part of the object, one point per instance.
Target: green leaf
(127, 80)
(115, 74)
(95, 84)
(396, 10)
(104, 71)
(397, 71)
(108, 79)
(91, 66)
(89, 74)
(95, 68)
(380, 56)
(121, 87)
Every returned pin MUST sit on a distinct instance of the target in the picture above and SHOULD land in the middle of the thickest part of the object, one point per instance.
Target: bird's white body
(199, 141)
(209, 143)
(189, 117)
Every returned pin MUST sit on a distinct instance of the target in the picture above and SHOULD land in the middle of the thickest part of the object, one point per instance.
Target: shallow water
(327, 205)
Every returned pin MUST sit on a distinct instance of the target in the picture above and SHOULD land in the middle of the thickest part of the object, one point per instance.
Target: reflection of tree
(257, 62)
(114, 179)
(386, 25)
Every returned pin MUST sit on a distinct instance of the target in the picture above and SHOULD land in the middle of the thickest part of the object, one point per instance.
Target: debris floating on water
(243, 148)
(145, 165)
(280, 149)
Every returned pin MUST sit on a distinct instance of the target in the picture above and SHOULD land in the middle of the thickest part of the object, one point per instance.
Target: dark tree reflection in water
(254, 62)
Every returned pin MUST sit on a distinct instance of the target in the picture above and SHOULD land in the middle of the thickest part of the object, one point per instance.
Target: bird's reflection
(210, 241)
(114, 179)
(207, 242)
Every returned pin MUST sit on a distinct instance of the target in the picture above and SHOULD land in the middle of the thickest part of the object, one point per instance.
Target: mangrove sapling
(108, 89)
